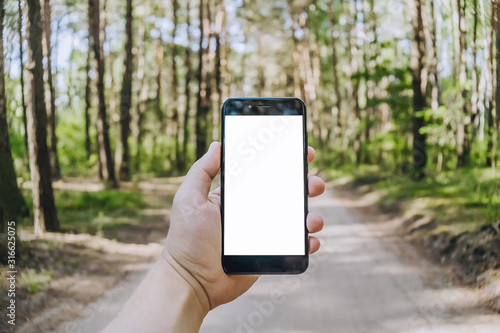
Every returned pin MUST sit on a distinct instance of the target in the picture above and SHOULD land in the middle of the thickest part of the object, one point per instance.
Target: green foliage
(104, 202)
(34, 281)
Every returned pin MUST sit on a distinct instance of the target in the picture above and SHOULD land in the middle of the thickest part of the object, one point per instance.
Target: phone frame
(265, 264)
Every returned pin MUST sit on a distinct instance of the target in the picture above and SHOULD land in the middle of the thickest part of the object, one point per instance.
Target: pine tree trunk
(463, 124)
(21, 76)
(187, 90)
(353, 85)
(298, 80)
(435, 64)
(483, 77)
(217, 97)
(309, 86)
(88, 103)
(104, 147)
(336, 84)
(159, 57)
(126, 97)
(175, 89)
(419, 85)
(12, 204)
(50, 92)
(497, 92)
(490, 157)
(44, 209)
(142, 92)
(261, 77)
(474, 96)
(202, 109)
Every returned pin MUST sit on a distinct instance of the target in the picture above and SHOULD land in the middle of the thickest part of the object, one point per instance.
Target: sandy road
(363, 280)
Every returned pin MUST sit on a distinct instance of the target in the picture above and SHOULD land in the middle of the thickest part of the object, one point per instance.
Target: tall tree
(21, 76)
(187, 90)
(419, 85)
(462, 131)
(174, 90)
(50, 91)
(126, 96)
(142, 92)
(474, 96)
(159, 56)
(12, 204)
(203, 105)
(308, 71)
(104, 147)
(435, 64)
(44, 208)
(491, 156)
(497, 92)
(336, 84)
(88, 99)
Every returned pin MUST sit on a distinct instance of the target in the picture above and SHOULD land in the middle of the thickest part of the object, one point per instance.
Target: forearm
(164, 302)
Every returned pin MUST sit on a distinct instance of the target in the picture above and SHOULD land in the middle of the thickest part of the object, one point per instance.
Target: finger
(202, 172)
(314, 244)
(316, 186)
(315, 222)
(311, 153)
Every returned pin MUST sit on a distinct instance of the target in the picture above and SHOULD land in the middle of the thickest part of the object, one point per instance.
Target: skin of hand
(193, 246)
(188, 280)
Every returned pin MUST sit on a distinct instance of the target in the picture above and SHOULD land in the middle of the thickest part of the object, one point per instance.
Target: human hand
(193, 246)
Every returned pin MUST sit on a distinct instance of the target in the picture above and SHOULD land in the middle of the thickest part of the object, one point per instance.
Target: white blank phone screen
(264, 185)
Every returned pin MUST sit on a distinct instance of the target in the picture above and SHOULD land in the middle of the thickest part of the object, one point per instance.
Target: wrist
(186, 281)
(164, 302)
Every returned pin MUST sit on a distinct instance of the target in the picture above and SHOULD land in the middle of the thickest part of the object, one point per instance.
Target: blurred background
(104, 104)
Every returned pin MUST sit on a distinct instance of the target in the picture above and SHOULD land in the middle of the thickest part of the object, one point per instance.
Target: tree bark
(142, 92)
(419, 85)
(202, 109)
(44, 209)
(336, 84)
(474, 96)
(88, 103)
(104, 147)
(435, 64)
(298, 80)
(463, 125)
(309, 86)
(217, 97)
(159, 57)
(175, 89)
(126, 96)
(497, 92)
(490, 158)
(187, 90)
(21, 76)
(261, 76)
(12, 204)
(50, 92)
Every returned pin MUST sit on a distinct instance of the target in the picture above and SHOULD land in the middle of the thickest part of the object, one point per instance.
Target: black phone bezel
(265, 264)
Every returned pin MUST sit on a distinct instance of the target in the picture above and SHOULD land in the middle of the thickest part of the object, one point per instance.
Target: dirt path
(95, 273)
(364, 279)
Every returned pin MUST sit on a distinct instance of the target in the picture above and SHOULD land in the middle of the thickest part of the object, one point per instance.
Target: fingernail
(212, 145)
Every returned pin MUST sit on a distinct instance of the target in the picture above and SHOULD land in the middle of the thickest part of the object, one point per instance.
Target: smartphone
(264, 186)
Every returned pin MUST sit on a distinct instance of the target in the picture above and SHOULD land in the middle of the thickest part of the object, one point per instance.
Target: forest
(404, 94)
(104, 100)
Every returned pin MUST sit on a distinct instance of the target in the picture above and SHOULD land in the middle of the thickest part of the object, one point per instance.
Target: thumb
(200, 176)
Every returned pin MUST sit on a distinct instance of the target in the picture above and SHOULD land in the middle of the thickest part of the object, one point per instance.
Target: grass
(94, 212)
(460, 200)
(34, 281)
